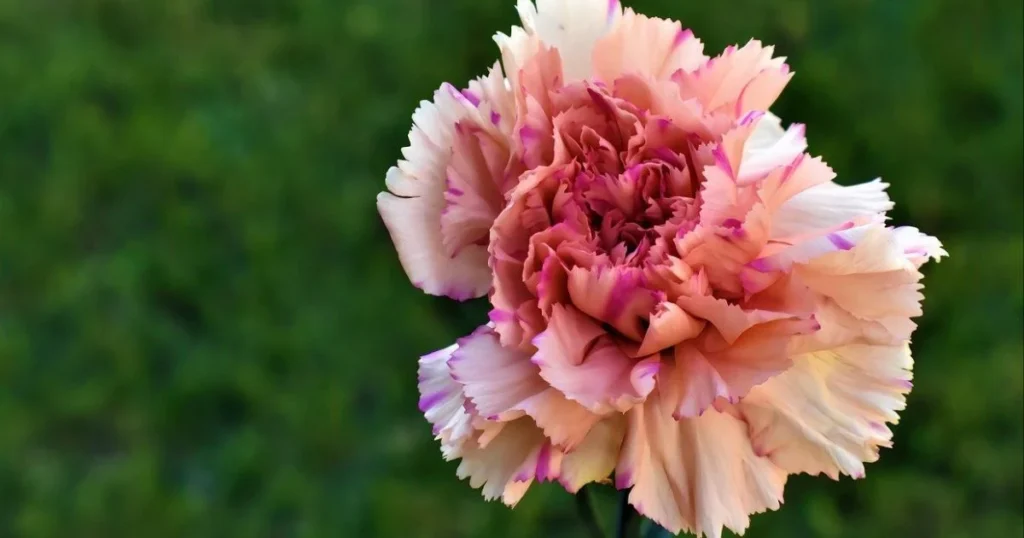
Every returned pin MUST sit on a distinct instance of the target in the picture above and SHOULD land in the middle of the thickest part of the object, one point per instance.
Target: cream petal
(565, 422)
(873, 280)
(594, 459)
(827, 414)
(729, 319)
(506, 466)
(573, 28)
(759, 160)
(918, 247)
(811, 247)
(695, 474)
(828, 206)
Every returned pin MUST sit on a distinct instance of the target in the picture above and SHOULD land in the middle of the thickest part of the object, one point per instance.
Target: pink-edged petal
(722, 200)
(811, 247)
(415, 228)
(614, 295)
(495, 378)
(647, 46)
(442, 402)
(785, 182)
(594, 459)
(412, 206)
(695, 474)
(603, 380)
(827, 413)
(472, 197)
(502, 384)
(840, 328)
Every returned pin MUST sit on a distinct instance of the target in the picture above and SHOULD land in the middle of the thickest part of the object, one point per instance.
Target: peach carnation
(682, 296)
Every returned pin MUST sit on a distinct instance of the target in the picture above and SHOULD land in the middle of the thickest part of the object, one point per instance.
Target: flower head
(681, 295)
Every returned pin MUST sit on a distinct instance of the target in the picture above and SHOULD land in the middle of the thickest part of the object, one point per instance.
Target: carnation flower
(682, 297)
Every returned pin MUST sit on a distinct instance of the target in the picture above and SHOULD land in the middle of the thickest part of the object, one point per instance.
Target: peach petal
(695, 474)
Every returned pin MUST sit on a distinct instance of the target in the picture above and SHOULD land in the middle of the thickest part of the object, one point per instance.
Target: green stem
(626, 514)
(587, 513)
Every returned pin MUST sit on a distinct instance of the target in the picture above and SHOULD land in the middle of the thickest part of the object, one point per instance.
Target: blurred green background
(205, 332)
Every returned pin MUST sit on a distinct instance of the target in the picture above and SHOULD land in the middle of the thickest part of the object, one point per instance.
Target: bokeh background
(205, 332)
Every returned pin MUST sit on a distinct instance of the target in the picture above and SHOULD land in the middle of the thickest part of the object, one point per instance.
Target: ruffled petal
(827, 413)
(695, 474)
(572, 28)
(576, 358)
(412, 208)
(507, 465)
(646, 46)
(873, 280)
(496, 379)
(614, 295)
(713, 368)
(442, 402)
(502, 384)
(738, 80)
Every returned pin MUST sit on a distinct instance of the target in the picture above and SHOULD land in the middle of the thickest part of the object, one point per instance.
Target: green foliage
(205, 332)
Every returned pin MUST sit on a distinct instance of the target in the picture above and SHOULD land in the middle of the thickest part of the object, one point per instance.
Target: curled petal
(614, 295)
(917, 246)
(595, 372)
(669, 325)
